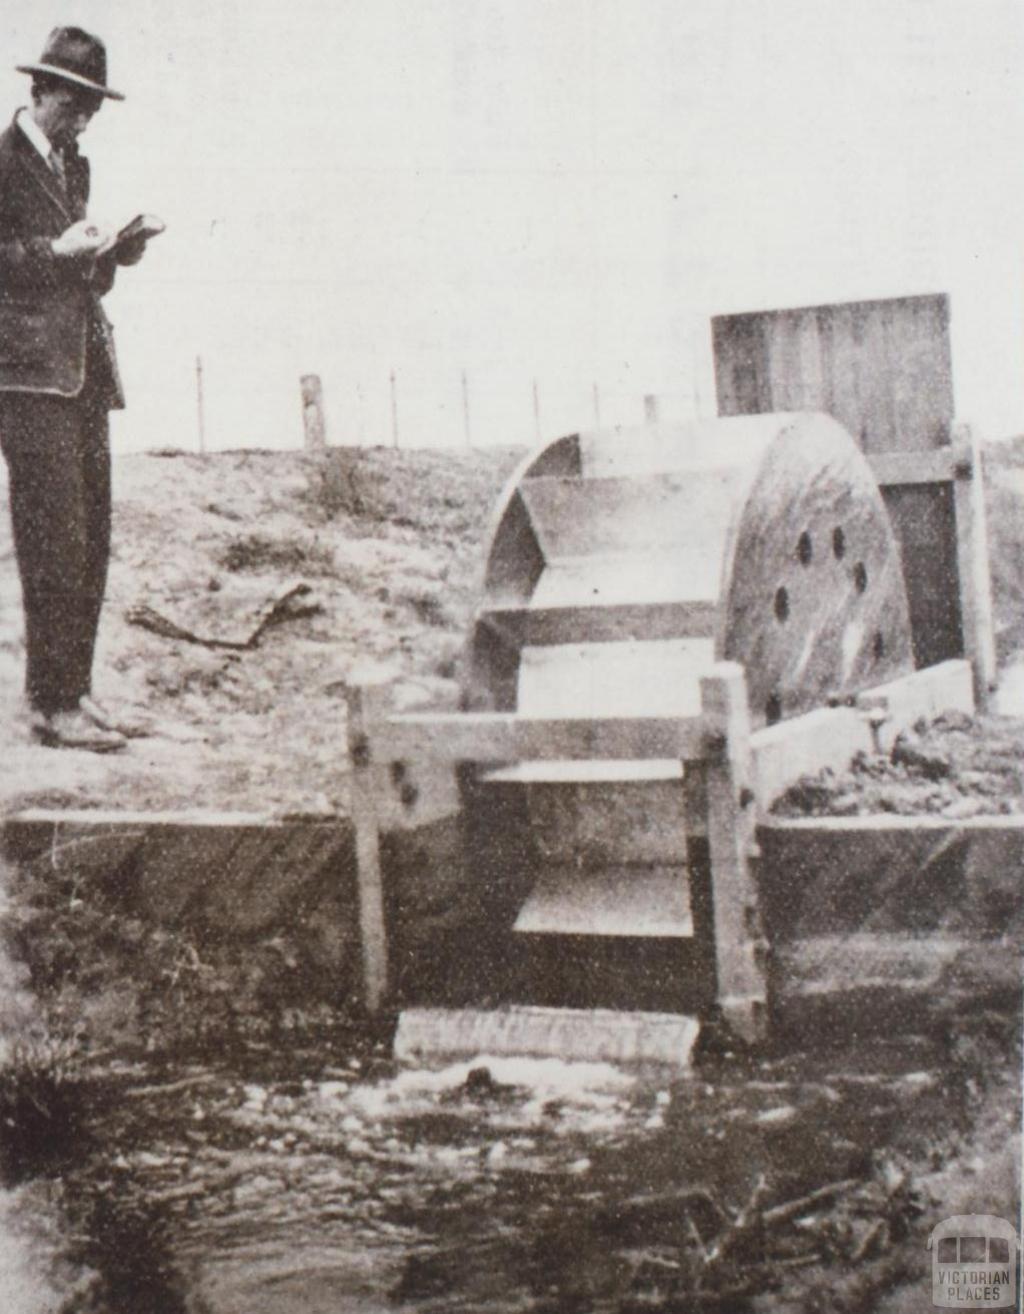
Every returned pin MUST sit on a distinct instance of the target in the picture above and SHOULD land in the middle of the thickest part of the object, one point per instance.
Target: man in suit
(58, 381)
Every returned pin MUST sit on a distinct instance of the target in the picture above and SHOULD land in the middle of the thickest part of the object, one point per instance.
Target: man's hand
(81, 240)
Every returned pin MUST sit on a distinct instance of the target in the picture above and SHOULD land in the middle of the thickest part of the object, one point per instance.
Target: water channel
(313, 1181)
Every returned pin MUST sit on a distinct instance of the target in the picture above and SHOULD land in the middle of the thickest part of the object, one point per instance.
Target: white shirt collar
(34, 133)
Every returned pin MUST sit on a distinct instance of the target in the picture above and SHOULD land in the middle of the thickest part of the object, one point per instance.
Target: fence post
(200, 412)
(313, 424)
(465, 409)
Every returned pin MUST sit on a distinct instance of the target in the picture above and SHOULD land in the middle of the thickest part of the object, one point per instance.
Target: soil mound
(245, 588)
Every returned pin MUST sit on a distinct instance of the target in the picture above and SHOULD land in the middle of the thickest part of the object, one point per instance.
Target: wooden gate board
(884, 370)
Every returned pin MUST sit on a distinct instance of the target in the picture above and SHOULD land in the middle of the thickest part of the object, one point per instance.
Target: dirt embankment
(390, 549)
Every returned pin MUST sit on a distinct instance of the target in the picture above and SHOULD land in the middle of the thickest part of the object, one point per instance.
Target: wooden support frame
(973, 565)
(959, 465)
(937, 465)
(740, 951)
(508, 737)
(608, 623)
(367, 705)
(731, 775)
(377, 740)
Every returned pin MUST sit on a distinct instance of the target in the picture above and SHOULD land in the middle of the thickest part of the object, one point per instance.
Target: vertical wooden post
(394, 410)
(365, 704)
(695, 367)
(465, 409)
(597, 406)
(650, 408)
(200, 415)
(972, 563)
(313, 424)
(732, 814)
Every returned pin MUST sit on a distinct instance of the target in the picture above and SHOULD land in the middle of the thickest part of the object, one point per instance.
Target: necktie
(57, 165)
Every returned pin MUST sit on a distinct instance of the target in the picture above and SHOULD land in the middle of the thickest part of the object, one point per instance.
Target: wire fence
(467, 410)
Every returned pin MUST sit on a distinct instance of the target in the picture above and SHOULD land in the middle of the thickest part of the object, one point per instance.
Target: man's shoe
(126, 726)
(76, 730)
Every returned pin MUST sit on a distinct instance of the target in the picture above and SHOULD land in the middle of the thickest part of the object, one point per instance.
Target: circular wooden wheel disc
(814, 604)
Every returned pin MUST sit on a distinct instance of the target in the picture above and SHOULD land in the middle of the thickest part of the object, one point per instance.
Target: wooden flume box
(884, 370)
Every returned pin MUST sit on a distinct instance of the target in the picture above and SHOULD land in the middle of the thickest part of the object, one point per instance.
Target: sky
(527, 212)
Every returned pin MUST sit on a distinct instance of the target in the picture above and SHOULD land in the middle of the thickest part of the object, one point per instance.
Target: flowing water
(308, 1182)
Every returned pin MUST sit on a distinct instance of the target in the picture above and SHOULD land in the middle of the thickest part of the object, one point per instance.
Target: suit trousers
(58, 458)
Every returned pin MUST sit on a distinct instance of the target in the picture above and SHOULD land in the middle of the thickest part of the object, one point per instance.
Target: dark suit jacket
(51, 322)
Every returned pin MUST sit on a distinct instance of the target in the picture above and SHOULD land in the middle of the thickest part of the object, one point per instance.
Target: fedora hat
(77, 57)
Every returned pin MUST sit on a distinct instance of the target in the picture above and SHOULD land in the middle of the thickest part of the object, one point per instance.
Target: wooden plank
(842, 964)
(869, 876)
(885, 873)
(607, 1035)
(603, 624)
(882, 368)
(830, 736)
(175, 866)
(584, 771)
(975, 576)
(506, 737)
(95, 845)
(946, 687)
(365, 704)
(939, 465)
(629, 678)
(517, 559)
(883, 822)
(740, 957)
(649, 902)
(807, 744)
(95, 818)
(622, 579)
(250, 885)
(687, 512)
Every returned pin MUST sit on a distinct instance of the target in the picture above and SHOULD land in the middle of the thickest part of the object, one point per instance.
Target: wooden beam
(740, 952)
(366, 703)
(313, 423)
(610, 1035)
(935, 465)
(784, 752)
(975, 577)
(944, 687)
(830, 736)
(607, 624)
(889, 873)
(878, 823)
(508, 737)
